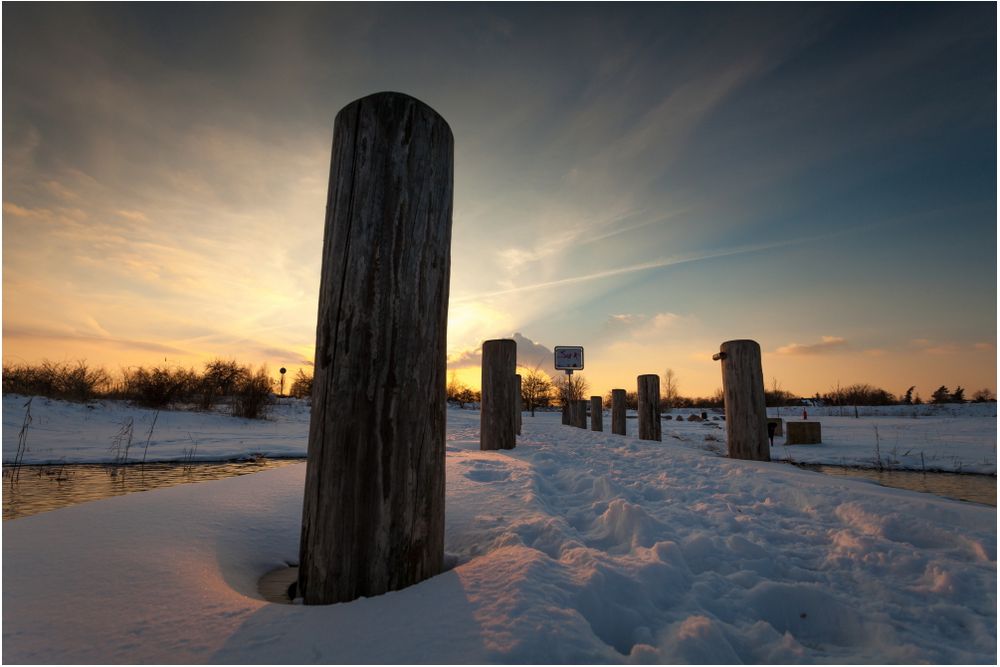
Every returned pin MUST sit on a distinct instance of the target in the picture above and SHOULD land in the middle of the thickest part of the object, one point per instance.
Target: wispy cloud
(635, 268)
(827, 344)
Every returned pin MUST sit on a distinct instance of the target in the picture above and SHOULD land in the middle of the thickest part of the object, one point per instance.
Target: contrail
(634, 268)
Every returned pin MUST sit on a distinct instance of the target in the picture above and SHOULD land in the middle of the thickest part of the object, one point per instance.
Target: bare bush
(252, 396)
(76, 382)
(160, 386)
(302, 385)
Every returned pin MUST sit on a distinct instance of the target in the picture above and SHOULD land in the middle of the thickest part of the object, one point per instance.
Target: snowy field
(947, 438)
(574, 547)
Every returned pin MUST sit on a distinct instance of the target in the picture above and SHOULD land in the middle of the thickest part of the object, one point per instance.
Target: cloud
(826, 344)
(77, 337)
(529, 355)
(642, 325)
(985, 346)
(134, 216)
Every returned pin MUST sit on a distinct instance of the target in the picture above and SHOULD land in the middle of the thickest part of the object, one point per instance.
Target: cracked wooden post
(496, 417)
(596, 413)
(649, 407)
(373, 510)
(518, 407)
(618, 412)
(743, 392)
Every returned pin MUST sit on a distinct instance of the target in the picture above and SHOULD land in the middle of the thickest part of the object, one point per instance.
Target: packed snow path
(574, 547)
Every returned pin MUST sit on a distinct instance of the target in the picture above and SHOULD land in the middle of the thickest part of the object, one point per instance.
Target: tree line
(539, 390)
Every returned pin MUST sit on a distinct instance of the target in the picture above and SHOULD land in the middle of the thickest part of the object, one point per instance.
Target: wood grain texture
(618, 412)
(497, 413)
(578, 413)
(596, 413)
(743, 390)
(649, 407)
(518, 405)
(373, 511)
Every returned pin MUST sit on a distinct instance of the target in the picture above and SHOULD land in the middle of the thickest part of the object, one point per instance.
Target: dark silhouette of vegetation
(983, 396)
(458, 392)
(570, 388)
(253, 396)
(76, 382)
(941, 395)
(159, 387)
(302, 385)
(958, 396)
(536, 388)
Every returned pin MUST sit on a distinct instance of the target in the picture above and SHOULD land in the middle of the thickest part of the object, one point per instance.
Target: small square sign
(569, 358)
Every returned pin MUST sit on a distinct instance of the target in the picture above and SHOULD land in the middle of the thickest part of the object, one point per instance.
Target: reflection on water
(973, 488)
(49, 487)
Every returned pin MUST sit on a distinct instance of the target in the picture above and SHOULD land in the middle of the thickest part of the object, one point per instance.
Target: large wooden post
(649, 407)
(518, 408)
(596, 413)
(618, 412)
(496, 418)
(743, 392)
(373, 511)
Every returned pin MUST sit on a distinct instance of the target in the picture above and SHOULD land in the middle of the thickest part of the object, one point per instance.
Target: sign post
(568, 358)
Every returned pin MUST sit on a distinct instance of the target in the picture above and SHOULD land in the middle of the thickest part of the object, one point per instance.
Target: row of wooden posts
(373, 509)
(742, 385)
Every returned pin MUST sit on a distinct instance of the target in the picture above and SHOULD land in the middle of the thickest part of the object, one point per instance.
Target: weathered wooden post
(517, 404)
(596, 413)
(649, 407)
(373, 511)
(618, 412)
(496, 418)
(743, 392)
(566, 413)
(579, 413)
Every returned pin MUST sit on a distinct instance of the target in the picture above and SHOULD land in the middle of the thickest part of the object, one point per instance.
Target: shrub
(252, 395)
(159, 387)
(220, 379)
(53, 380)
(302, 385)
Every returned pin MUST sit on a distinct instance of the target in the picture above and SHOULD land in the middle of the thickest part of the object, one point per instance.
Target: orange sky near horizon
(788, 177)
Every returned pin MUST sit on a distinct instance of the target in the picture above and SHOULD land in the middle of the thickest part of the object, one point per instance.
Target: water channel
(48, 487)
(980, 489)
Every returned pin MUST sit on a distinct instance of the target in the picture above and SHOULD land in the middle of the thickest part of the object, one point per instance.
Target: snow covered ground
(943, 438)
(574, 547)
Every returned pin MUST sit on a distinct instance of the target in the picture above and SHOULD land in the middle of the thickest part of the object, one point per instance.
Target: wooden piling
(497, 421)
(578, 413)
(743, 388)
(373, 508)
(596, 413)
(518, 409)
(618, 412)
(649, 407)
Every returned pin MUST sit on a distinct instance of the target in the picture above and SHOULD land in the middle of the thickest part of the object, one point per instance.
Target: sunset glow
(646, 182)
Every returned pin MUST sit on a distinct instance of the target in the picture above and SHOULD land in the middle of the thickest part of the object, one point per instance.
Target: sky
(644, 180)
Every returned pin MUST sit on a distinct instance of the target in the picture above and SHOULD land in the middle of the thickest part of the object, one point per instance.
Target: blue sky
(645, 180)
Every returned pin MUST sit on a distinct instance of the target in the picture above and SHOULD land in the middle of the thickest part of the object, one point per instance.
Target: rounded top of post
(649, 375)
(501, 342)
(741, 342)
(389, 99)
